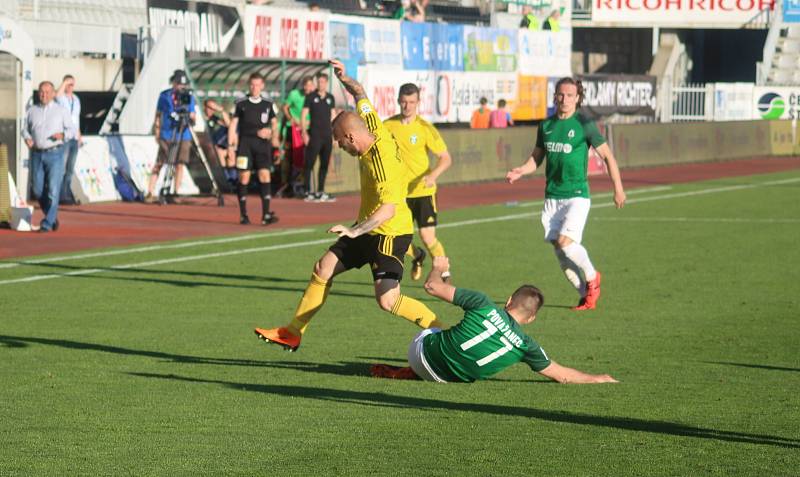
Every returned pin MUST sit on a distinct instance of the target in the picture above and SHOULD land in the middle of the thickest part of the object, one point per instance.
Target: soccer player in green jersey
(488, 340)
(563, 140)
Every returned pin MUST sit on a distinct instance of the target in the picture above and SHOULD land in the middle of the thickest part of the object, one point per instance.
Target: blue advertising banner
(791, 11)
(417, 43)
(448, 49)
(347, 44)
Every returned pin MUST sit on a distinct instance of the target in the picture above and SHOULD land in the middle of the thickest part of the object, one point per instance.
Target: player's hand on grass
(605, 378)
(619, 198)
(513, 175)
(342, 231)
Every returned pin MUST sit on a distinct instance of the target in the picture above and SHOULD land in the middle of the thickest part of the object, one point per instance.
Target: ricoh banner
(605, 95)
(679, 13)
(776, 102)
(210, 29)
(285, 33)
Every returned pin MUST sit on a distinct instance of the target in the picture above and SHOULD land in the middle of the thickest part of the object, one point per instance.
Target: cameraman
(254, 133)
(172, 104)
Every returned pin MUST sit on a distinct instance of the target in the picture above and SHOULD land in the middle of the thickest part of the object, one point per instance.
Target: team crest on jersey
(365, 108)
(413, 139)
(264, 117)
(571, 133)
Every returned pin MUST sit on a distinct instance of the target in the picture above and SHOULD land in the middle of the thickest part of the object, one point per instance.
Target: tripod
(169, 189)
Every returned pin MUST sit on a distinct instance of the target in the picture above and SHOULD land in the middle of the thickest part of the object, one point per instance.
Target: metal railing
(688, 102)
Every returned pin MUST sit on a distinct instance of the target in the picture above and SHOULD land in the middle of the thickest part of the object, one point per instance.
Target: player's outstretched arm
(352, 86)
(530, 166)
(565, 375)
(435, 284)
(381, 215)
(613, 173)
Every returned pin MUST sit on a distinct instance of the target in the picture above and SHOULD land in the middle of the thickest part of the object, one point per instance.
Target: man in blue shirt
(47, 126)
(173, 104)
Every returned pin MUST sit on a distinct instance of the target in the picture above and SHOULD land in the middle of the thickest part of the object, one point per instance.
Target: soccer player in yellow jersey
(416, 137)
(384, 229)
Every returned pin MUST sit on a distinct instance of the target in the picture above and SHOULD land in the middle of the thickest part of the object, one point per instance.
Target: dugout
(16, 86)
(225, 79)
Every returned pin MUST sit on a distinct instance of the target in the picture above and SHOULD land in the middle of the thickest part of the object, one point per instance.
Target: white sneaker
(325, 197)
(310, 197)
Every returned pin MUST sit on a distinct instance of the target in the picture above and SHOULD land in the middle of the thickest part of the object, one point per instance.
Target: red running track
(113, 224)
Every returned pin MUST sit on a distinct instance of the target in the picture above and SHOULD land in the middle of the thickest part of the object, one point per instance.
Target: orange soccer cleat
(592, 295)
(279, 336)
(391, 372)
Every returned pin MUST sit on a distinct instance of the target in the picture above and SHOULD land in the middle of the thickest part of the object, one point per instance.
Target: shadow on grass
(756, 366)
(192, 283)
(388, 400)
(343, 368)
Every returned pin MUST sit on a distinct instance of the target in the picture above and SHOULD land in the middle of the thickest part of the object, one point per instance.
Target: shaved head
(351, 132)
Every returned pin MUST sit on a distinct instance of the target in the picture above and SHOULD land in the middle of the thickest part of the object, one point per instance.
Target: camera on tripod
(183, 99)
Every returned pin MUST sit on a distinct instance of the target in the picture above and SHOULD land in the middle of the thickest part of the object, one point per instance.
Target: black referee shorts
(254, 153)
(384, 254)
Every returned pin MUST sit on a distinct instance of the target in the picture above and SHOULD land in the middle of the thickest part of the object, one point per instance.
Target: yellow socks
(313, 298)
(415, 312)
(436, 249)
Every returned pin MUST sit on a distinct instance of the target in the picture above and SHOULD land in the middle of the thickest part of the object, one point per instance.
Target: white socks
(580, 257)
(571, 271)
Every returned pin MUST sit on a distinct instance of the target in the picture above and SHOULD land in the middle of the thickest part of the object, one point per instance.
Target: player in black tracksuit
(254, 134)
(318, 139)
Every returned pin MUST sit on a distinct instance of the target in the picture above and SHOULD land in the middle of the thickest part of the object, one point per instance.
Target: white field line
(152, 248)
(644, 190)
(328, 240)
(722, 220)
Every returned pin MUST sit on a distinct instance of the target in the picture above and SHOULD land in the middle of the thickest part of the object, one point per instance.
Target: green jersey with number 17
(566, 147)
(484, 343)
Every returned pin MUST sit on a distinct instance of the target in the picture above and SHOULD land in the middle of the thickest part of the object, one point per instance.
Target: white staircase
(111, 123)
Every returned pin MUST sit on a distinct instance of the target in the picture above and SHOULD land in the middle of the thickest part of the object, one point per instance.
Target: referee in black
(318, 113)
(253, 132)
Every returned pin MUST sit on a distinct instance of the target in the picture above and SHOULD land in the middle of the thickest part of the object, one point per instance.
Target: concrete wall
(90, 74)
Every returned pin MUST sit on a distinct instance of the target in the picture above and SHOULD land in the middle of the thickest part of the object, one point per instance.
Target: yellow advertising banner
(531, 100)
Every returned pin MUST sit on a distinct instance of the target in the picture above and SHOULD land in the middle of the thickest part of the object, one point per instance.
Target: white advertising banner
(285, 33)
(776, 102)
(382, 45)
(545, 53)
(733, 101)
(679, 13)
(94, 178)
(142, 152)
(445, 96)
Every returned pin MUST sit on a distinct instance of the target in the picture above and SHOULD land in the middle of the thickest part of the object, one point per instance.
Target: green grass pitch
(146, 364)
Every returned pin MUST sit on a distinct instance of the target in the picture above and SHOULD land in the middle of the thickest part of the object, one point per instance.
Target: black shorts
(423, 209)
(383, 253)
(254, 153)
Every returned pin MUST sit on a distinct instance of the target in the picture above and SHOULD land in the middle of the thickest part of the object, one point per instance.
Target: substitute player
(254, 133)
(384, 229)
(488, 340)
(564, 139)
(416, 137)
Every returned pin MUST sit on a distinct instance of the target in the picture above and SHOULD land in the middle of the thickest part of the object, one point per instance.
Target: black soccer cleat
(270, 218)
(244, 220)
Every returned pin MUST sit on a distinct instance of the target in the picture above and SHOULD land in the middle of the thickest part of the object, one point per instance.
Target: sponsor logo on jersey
(571, 133)
(365, 108)
(558, 147)
(264, 117)
(413, 138)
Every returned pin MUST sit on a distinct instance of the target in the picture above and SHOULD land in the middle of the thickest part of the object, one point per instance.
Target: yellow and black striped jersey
(415, 140)
(384, 176)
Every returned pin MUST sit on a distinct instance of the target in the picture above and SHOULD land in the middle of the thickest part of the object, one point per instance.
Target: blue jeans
(47, 172)
(70, 155)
